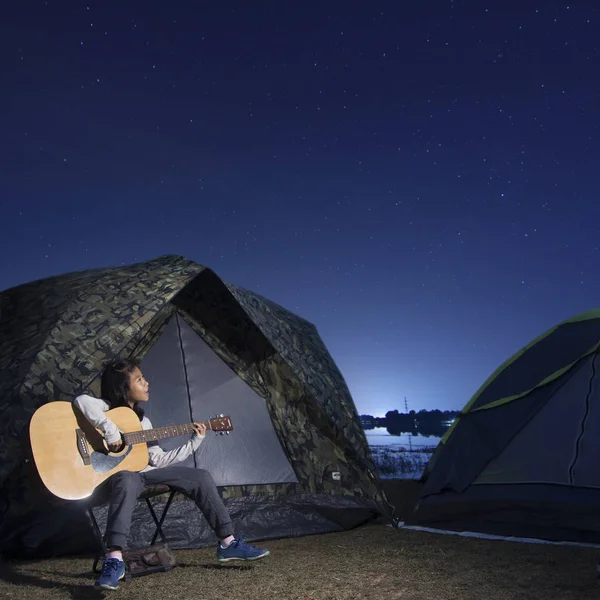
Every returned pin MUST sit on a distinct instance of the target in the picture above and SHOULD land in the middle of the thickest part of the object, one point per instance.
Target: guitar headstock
(220, 423)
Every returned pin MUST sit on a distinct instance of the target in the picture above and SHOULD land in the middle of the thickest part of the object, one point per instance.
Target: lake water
(380, 437)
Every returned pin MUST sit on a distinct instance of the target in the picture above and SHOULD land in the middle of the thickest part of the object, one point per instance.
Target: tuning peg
(221, 415)
(227, 433)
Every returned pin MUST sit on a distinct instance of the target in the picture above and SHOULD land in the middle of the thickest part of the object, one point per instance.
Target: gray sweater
(94, 409)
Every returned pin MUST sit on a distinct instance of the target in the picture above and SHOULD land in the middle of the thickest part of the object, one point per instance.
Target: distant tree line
(424, 422)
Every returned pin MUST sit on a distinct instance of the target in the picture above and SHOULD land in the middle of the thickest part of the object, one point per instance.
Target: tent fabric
(547, 357)
(56, 335)
(182, 368)
(521, 457)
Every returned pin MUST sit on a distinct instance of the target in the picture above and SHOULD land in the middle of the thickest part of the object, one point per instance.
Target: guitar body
(70, 454)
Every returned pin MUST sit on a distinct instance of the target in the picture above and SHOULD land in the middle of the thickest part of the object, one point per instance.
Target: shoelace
(107, 565)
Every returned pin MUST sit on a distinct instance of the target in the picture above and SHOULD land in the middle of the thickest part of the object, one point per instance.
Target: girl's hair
(114, 386)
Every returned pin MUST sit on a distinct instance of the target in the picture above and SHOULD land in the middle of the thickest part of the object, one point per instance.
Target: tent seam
(547, 380)
(185, 374)
(587, 410)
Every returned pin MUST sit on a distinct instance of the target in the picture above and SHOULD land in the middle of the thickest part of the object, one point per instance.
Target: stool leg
(99, 537)
(159, 524)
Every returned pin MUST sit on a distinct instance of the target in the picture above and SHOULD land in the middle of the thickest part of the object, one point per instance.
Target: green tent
(523, 457)
(298, 460)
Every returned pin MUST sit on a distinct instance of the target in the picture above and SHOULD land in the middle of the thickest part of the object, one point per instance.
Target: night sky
(417, 178)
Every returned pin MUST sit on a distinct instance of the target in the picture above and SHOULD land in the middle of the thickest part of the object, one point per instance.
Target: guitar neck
(160, 433)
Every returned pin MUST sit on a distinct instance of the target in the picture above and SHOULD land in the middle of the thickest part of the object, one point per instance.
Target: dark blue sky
(419, 178)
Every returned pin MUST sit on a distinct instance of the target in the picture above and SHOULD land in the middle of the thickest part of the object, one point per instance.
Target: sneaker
(239, 550)
(113, 570)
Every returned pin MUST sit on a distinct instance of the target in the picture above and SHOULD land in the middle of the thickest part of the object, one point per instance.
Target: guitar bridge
(82, 446)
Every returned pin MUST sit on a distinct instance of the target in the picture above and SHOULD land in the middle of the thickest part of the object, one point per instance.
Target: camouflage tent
(297, 462)
(522, 458)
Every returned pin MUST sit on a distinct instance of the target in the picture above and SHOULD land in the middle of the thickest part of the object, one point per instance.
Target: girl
(124, 385)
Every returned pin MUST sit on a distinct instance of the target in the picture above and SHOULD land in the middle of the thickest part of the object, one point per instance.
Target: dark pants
(124, 487)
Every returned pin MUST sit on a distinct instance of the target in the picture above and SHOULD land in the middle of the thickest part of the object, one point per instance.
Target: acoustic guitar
(72, 457)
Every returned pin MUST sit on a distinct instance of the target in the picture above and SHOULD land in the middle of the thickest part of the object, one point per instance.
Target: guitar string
(136, 437)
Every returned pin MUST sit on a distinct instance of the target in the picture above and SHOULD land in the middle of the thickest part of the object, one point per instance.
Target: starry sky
(418, 178)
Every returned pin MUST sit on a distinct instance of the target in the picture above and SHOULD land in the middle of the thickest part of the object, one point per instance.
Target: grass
(372, 562)
(400, 461)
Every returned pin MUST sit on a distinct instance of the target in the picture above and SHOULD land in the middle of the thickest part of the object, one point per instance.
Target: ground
(371, 562)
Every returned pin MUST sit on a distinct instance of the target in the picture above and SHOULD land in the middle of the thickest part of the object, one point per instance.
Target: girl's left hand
(199, 428)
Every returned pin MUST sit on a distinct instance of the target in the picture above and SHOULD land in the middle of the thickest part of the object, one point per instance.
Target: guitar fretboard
(158, 433)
